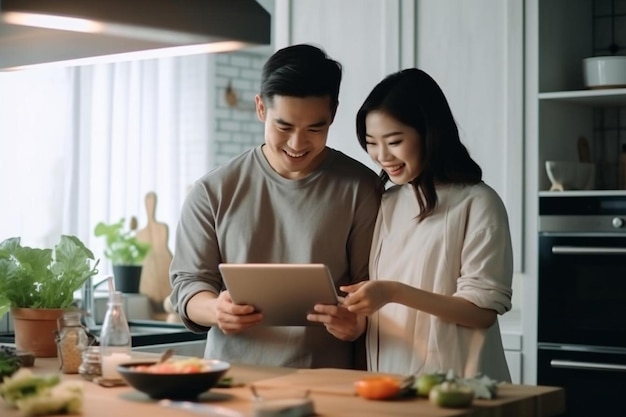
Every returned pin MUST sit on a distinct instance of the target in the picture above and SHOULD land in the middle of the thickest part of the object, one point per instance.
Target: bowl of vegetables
(176, 379)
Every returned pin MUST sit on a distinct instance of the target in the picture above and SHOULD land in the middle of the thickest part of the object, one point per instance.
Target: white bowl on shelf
(570, 175)
(605, 71)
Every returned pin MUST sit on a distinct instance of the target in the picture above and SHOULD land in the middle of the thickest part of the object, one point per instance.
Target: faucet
(89, 314)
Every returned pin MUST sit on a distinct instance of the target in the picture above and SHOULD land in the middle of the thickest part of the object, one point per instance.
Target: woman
(441, 262)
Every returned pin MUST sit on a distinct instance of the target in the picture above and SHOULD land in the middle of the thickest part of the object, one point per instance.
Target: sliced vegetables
(36, 395)
(179, 366)
(452, 391)
(444, 390)
(483, 386)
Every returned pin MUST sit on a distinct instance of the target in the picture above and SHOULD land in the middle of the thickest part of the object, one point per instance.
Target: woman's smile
(393, 170)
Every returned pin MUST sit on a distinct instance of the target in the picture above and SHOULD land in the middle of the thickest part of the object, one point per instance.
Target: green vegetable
(43, 278)
(24, 384)
(9, 362)
(225, 382)
(36, 395)
(451, 394)
(64, 398)
(425, 382)
(122, 247)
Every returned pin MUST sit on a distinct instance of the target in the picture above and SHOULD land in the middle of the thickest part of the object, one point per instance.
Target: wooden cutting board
(155, 283)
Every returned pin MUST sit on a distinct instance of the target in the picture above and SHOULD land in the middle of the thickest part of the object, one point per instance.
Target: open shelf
(593, 97)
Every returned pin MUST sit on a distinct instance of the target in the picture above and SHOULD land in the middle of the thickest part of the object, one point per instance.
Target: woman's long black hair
(413, 98)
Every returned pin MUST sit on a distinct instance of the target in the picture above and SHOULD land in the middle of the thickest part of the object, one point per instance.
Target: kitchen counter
(331, 391)
(143, 333)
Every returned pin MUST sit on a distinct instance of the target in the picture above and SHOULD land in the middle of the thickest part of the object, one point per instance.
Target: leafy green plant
(43, 278)
(122, 246)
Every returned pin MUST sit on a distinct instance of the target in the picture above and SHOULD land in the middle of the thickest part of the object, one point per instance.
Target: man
(290, 200)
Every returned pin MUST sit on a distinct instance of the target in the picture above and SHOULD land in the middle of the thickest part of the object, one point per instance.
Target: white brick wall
(236, 128)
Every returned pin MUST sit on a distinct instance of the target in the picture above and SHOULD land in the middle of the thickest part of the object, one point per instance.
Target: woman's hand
(339, 322)
(233, 318)
(367, 297)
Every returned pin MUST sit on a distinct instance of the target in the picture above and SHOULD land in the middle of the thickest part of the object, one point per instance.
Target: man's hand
(339, 322)
(233, 318)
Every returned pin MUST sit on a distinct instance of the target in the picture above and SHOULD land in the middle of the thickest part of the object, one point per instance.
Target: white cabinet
(514, 361)
(512, 338)
(474, 50)
(559, 34)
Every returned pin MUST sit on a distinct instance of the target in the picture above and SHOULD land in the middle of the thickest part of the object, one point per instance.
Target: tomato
(377, 387)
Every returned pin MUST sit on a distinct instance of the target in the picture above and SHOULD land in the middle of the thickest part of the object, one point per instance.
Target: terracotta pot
(35, 330)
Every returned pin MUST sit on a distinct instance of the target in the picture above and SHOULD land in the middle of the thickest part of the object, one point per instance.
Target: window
(85, 144)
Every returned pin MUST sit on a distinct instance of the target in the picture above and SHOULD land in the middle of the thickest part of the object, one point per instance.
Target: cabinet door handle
(590, 366)
(587, 250)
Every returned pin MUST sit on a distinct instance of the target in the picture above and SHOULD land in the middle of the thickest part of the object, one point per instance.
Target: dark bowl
(175, 386)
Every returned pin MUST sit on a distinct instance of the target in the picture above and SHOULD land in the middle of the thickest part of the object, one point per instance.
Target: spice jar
(71, 341)
(90, 367)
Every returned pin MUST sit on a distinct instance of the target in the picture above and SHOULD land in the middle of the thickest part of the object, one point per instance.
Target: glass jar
(90, 366)
(115, 339)
(71, 341)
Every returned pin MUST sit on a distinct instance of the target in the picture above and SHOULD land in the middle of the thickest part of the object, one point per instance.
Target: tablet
(284, 293)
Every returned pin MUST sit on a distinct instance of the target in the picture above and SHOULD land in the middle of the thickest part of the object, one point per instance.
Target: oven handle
(591, 366)
(587, 250)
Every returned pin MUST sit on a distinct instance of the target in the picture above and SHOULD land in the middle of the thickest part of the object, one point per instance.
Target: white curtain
(34, 124)
(87, 143)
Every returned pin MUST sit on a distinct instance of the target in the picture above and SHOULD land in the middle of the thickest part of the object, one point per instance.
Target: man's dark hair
(301, 71)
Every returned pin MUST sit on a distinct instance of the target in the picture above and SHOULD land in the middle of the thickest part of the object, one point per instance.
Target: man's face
(296, 130)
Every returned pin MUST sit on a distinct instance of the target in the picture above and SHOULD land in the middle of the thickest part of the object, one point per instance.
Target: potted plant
(41, 283)
(125, 252)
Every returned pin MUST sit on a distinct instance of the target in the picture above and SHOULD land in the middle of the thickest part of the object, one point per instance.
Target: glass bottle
(115, 340)
(71, 341)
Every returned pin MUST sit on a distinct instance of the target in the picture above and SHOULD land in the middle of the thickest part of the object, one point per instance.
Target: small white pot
(605, 71)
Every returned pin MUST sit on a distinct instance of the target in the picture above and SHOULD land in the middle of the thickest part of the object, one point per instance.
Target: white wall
(363, 35)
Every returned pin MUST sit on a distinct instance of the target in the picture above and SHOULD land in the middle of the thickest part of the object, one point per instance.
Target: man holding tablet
(291, 200)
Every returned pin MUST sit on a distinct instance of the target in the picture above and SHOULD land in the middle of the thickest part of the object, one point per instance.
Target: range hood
(75, 32)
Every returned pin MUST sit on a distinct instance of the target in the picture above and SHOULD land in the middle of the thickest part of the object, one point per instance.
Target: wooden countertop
(330, 389)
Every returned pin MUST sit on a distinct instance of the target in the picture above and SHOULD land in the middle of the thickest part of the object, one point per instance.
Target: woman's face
(394, 146)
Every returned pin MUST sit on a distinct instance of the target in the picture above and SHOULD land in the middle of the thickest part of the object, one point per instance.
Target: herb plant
(43, 278)
(122, 246)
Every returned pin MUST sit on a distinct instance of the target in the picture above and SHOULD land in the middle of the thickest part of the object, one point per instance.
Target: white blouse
(462, 249)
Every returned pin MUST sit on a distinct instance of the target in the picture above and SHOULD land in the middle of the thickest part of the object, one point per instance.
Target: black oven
(582, 300)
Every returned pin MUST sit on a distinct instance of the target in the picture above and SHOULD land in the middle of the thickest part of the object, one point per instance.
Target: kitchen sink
(143, 333)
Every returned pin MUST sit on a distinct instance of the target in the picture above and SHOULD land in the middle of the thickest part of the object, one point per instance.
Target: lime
(425, 382)
(452, 395)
